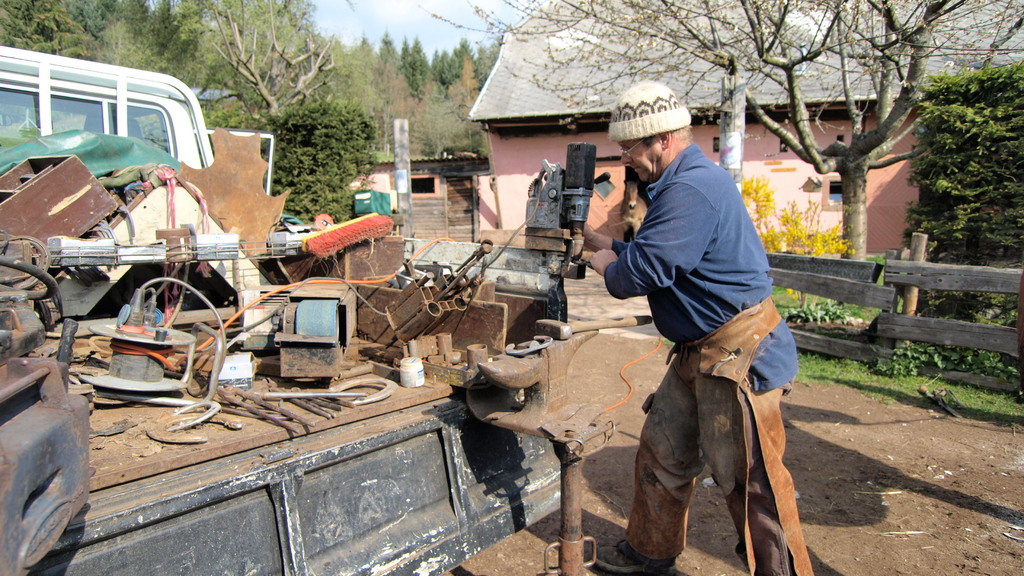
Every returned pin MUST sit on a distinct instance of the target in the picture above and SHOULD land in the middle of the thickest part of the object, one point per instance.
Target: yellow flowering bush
(793, 229)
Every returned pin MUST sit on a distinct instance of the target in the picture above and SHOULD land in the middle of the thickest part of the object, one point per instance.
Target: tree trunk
(855, 209)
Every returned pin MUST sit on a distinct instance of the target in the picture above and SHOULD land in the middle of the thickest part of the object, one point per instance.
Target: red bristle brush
(338, 237)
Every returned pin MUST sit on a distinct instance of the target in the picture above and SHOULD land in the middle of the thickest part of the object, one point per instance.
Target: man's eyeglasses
(629, 151)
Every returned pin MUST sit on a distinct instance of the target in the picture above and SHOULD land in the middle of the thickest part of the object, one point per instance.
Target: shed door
(461, 208)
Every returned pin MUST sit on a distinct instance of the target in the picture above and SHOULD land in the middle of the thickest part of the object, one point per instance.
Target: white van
(42, 94)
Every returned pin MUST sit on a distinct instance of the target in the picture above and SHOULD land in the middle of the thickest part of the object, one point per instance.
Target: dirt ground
(884, 489)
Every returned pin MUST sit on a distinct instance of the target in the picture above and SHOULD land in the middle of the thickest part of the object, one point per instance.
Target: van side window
(149, 124)
(75, 114)
(19, 117)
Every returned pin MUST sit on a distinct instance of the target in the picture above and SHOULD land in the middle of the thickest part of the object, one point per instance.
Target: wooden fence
(857, 282)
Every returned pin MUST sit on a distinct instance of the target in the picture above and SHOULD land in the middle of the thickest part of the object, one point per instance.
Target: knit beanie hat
(646, 109)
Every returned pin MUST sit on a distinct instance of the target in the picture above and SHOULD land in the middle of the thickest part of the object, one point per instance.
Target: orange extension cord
(622, 374)
(161, 355)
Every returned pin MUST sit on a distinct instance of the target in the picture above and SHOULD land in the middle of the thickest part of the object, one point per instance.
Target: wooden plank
(972, 379)
(931, 276)
(429, 216)
(859, 270)
(948, 332)
(859, 351)
(146, 458)
(840, 289)
(460, 213)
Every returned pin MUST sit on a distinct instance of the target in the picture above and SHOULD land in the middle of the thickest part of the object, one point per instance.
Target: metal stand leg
(571, 543)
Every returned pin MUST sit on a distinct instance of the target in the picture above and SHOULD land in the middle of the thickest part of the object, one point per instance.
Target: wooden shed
(445, 195)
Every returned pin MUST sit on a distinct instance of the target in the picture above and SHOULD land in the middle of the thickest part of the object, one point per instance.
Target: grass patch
(978, 403)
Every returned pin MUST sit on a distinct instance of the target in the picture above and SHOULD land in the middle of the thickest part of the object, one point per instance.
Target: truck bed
(412, 484)
(415, 488)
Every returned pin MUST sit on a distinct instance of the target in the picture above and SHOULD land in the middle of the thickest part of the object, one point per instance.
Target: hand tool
(563, 330)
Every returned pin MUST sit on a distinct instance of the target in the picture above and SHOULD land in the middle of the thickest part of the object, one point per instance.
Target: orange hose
(622, 374)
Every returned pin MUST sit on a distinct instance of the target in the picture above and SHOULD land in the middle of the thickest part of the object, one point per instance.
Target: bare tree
(273, 47)
(804, 63)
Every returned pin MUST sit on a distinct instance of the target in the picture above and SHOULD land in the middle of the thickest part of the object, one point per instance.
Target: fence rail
(857, 283)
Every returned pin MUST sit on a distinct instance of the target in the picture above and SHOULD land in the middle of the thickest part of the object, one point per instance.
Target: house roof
(542, 72)
(527, 82)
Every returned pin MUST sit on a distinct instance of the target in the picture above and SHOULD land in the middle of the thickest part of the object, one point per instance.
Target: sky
(406, 19)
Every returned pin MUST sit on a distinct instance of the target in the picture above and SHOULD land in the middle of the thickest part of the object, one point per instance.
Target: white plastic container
(411, 372)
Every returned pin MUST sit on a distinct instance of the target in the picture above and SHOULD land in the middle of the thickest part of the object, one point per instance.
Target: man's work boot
(622, 559)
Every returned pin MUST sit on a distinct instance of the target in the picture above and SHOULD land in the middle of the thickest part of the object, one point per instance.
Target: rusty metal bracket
(424, 305)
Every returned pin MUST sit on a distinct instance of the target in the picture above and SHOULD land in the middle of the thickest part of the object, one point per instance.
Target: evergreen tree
(462, 51)
(446, 68)
(92, 15)
(322, 148)
(42, 26)
(415, 67)
(971, 130)
(388, 53)
(486, 57)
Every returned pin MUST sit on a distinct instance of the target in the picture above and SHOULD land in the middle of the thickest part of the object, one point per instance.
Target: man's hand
(595, 240)
(601, 260)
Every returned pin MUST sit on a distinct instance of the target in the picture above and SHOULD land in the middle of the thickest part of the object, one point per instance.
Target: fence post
(1020, 332)
(918, 243)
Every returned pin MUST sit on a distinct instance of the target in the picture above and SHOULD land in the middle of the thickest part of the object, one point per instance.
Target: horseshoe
(526, 348)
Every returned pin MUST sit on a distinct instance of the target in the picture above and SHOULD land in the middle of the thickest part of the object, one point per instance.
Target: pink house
(526, 124)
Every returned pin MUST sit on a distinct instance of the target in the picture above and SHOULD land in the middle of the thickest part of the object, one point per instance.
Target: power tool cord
(622, 374)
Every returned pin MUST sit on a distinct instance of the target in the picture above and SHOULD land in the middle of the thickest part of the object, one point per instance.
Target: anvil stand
(538, 371)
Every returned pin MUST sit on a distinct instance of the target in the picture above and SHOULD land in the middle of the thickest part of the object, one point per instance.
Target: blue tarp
(101, 153)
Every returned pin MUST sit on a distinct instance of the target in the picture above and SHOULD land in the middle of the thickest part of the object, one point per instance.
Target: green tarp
(101, 153)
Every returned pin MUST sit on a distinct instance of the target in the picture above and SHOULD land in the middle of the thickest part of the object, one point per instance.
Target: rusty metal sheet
(61, 199)
(523, 313)
(374, 259)
(480, 323)
(233, 187)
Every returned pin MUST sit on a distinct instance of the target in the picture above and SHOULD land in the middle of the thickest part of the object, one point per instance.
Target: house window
(424, 185)
(835, 193)
(716, 144)
(841, 138)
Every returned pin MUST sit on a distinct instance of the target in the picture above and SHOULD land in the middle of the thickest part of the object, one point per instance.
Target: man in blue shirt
(698, 260)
